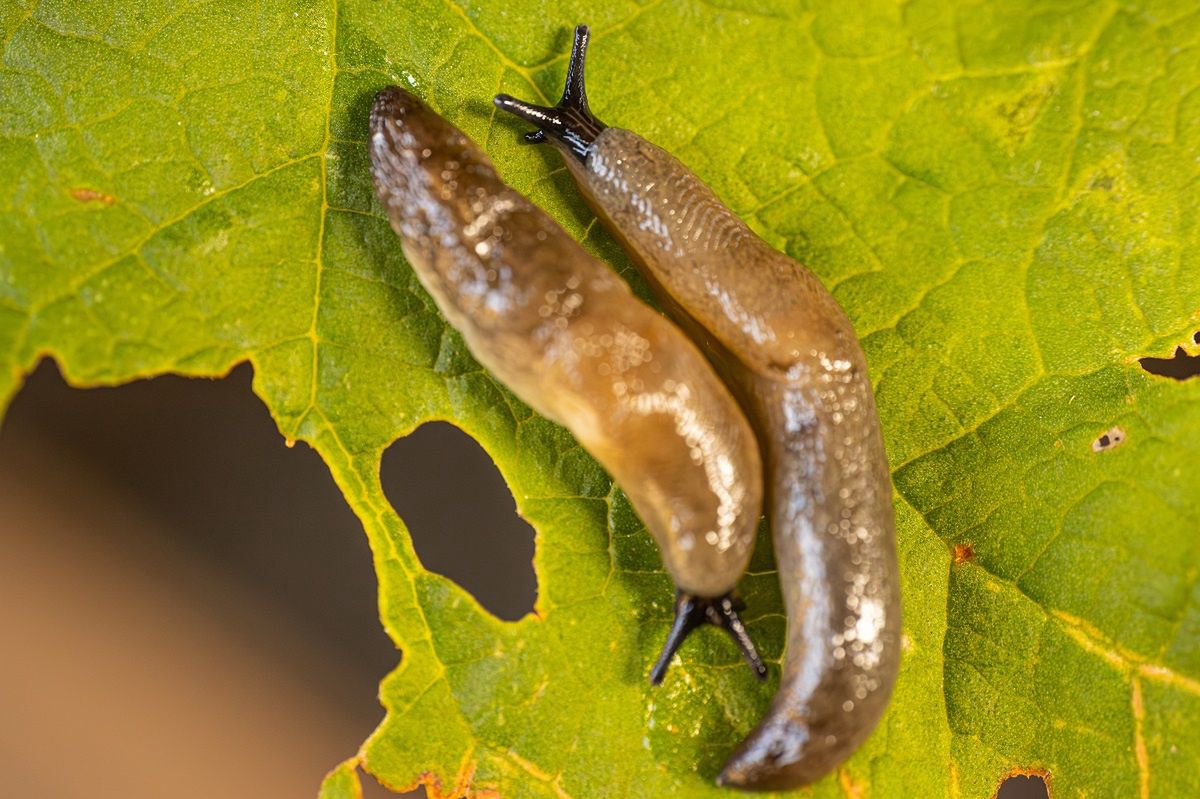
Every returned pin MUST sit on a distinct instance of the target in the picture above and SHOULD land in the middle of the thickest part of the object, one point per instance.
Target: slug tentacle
(571, 121)
(691, 612)
(790, 355)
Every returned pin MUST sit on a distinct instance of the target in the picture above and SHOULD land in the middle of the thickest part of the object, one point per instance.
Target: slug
(566, 335)
(790, 355)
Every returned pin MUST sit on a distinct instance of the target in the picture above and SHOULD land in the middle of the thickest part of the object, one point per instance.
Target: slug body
(789, 353)
(568, 337)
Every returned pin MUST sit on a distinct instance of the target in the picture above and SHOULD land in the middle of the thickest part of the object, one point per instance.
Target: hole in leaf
(1110, 438)
(1180, 366)
(1024, 785)
(462, 517)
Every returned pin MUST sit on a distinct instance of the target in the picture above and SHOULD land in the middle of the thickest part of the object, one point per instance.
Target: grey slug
(566, 334)
(789, 353)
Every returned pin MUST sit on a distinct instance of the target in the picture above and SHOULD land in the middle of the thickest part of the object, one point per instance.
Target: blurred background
(188, 607)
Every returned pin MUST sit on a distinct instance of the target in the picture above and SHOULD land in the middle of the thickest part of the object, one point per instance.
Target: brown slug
(566, 335)
(790, 355)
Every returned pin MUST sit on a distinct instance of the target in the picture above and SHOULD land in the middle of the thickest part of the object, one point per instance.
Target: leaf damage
(1180, 366)
(85, 195)
(1025, 783)
(1109, 439)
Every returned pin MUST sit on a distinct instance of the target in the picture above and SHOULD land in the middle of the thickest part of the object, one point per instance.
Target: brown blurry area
(449, 493)
(187, 607)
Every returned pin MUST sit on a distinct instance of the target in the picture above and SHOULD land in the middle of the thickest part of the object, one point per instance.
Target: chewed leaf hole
(1110, 438)
(1024, 785)
(1179, 366)
(462, 517)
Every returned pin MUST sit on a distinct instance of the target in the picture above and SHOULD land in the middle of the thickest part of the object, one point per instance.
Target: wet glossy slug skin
(787, 349)
(562, 331)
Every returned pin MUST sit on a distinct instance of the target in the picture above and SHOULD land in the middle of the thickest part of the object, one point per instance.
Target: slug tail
(571, 122)
(690, 613)
(840, 586)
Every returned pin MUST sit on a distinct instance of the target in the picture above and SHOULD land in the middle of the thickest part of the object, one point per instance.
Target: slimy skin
(569, 338)
(790, 355)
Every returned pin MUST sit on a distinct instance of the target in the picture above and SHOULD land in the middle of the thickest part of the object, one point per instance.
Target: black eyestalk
(692, 611)
(571, 121)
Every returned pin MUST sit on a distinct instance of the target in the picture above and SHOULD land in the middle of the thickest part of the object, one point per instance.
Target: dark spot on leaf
(1104, 182)
(1179, 367)
(1196, 337)
(1025, 785)
(462, 517)
(91, 195)
(964, 552)
(1021, 113)
(1108, 439)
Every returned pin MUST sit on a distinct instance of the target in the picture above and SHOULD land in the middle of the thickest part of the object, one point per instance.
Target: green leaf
(1003, 196)
(342, 783)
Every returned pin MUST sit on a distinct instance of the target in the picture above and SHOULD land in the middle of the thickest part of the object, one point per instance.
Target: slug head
(691, 611)
(424, 168)
(570, 124)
